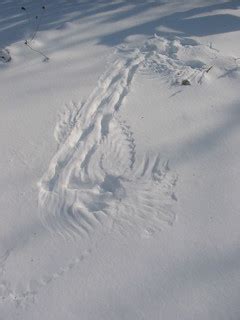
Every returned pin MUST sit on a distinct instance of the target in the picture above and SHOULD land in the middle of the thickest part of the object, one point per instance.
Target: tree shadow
(183, 23)
(15, 23)
(208, 140)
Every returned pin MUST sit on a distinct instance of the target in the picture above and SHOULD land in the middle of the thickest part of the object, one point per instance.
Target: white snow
(119, 184)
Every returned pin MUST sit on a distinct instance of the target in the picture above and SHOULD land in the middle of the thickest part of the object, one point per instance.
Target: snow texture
(119, 188)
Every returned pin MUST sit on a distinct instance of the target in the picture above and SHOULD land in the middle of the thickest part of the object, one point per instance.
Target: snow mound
(178, 59)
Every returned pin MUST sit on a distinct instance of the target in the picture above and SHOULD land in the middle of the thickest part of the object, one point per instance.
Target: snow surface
(119, 185)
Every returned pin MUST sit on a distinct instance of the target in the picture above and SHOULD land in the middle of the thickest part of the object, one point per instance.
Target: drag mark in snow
(95, 176)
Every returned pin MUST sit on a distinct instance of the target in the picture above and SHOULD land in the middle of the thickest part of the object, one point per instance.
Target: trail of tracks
(95, 178)
(92, 175)
(95, 174)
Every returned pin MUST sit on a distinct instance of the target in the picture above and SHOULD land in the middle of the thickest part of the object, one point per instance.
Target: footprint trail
(95, 176)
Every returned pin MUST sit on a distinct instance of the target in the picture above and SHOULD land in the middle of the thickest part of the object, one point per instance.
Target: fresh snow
(119, 184)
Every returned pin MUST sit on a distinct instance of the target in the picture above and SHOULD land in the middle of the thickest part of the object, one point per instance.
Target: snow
(119, 185)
